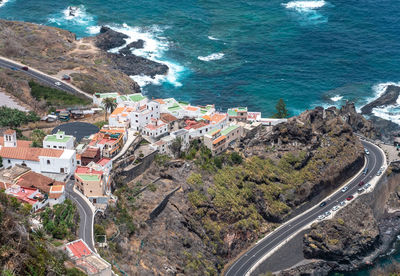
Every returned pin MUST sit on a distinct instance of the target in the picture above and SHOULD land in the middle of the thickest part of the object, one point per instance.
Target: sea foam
(390, 112)
(305, 5)
(215, 56)
(3, 3)
(336, 98)
(212, 38)
(80, 20)
(154, 48)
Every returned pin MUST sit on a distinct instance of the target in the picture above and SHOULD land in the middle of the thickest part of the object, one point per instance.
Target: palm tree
(109, 104)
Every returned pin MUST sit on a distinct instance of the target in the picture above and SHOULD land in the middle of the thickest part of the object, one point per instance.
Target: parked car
(367, 186)
(349, 198)
(66, 77)
(378, 173)
(335, 208)
(365, 171)
(366, 151)
(342, 203)
(322, 204)
(25, 68)
(345, 189)
(321, 217)
(57, 83)
(361, 190)
(326, 214)
(361, 183)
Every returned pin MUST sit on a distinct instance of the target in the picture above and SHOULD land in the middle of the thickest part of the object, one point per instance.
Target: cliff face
(358, 234)
(344, 238)
(55, 51)
(225, 203)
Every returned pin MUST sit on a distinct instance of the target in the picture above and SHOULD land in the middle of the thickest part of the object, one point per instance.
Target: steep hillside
(55, 52)
(23, 252)
(222, 204)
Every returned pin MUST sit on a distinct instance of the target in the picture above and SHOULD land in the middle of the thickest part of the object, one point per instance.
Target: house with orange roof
(56, 195)
(155, 129)
(217, 120)
(92, 184)
(31, 196)
(40, 160)
(197, 128)
(218, 140)
(85, 259)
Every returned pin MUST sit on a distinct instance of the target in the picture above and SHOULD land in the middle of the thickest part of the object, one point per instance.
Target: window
(54, 147)
(201, 131)
(136, 116)
(136, 121)
(48, 162)
(9, 161)
(48, 146)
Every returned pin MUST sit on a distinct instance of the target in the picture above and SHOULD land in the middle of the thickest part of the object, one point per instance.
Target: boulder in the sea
(108, 39)
(389, 97)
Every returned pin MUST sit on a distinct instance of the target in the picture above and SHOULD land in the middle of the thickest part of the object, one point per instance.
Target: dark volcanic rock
(133, 65)
(347, 236)
(388, 98)
(125, 61)
(136, 44)
(108, 39)
(357, 121)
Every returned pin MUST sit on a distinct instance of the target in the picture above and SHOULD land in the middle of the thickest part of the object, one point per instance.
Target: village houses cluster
(89, 163)
(39, 176)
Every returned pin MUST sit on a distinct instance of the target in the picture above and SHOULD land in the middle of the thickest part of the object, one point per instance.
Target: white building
(164, 144)
(59, 141)
(56, 195)
(40, 160)
(155, 128)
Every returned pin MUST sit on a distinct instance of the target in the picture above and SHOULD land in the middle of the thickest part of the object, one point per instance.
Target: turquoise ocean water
(248, 53)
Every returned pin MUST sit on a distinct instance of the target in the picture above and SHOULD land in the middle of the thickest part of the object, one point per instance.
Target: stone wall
(132, 171)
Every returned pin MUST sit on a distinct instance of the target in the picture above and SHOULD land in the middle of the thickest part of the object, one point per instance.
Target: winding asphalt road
(375, 160)
(85, 215)
(42, 77)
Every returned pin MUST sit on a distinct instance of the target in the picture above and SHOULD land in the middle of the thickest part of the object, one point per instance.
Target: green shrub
(10, 117)
(56, 97)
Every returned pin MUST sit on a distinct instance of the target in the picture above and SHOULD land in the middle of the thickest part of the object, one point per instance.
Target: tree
(37, 138)
(176, 147)
(281, 110)
(109, 105)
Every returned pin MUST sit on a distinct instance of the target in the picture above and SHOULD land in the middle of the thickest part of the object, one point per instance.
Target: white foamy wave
(305, 5)
(2, 3)
(93, 30)
(154, 48)
(215, 56)
(336, 98)
(380, 88)
(75, 18)
(212, 38)
(390, 113)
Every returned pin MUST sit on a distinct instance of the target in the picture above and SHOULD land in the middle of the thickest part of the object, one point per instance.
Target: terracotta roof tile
(32, 154)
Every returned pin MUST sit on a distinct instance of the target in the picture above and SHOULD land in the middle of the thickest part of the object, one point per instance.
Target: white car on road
(57, 83)
(345, 189)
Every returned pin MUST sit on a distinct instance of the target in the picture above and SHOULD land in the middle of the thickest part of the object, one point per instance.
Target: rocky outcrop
(357, 235)
(133, 65)
(344, 238)
(357, 121)
(124, 60)
(389, 97)
(108, 39)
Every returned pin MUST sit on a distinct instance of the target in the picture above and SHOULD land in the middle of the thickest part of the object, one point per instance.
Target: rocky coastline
(124, 60)
(386, 129)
